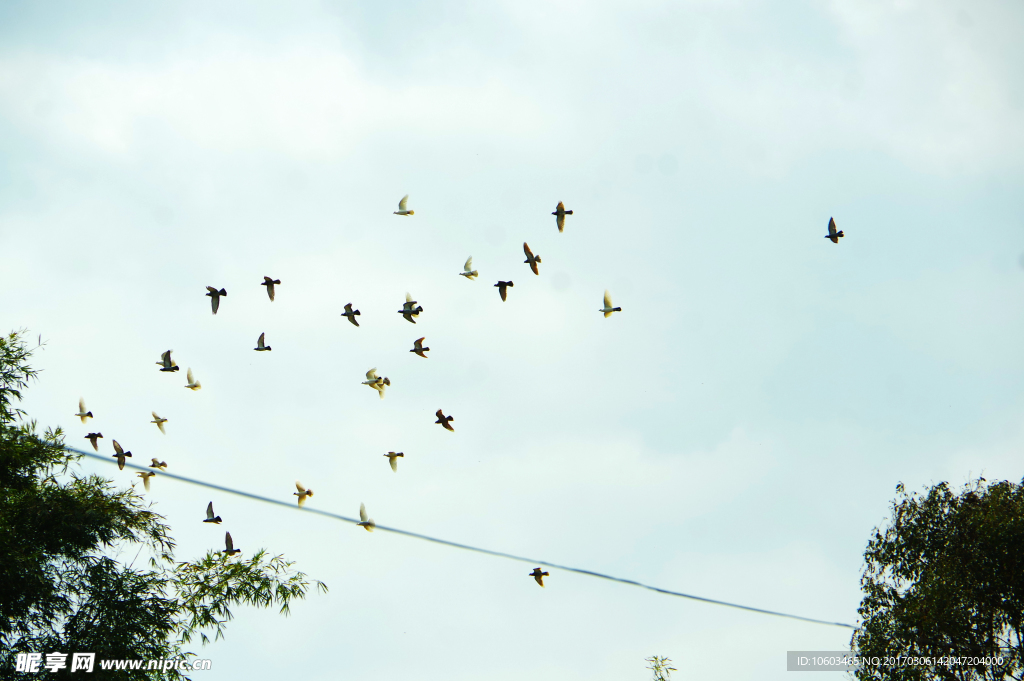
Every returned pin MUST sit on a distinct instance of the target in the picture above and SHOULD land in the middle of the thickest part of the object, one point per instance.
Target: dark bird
(393, 458)
(168, 364)
(160, 465)
(833, 235)
(92, 437)
(229, 546)
(502, 285)
(538, 575)
(82, 413)
(410, 309)
(269, 283)
(531, 259)
(210, 518)
(121, 454)
(260, 347)
(445, 421)
(351, 314)
(419, 349)
(560, 213)
(215, 297)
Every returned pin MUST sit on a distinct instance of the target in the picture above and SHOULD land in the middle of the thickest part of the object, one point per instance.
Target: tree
(660, 667)
(946, 579)
(61, 585)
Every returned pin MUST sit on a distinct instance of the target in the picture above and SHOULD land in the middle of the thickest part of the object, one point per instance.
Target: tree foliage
(62, 587)
(946, 579)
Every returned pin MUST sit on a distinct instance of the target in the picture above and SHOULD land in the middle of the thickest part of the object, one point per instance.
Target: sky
(736, 432)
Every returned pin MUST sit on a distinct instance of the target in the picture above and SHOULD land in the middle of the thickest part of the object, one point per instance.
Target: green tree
(61, 585)
(946, 578)
(660, 668)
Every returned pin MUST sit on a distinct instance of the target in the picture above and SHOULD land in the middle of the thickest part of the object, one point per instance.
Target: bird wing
(526, 249)
(371, 374)
(408, 298)
(348, 307)
(228, 544)
(607, 299)
(209, 508)
(394, 463)
(533, 266)
(419, 343)
(81, 405)
(440, 414)
(212, 290)
(362, 512)
(302, 501)
(298, 486)
(215, 302)
(145, 480)
(468, 267)
(560, 207)
(404, 202)
(117, 448)
(560, 220)
(831, 227)
(270, 291)
(188, 375)
(259, 343)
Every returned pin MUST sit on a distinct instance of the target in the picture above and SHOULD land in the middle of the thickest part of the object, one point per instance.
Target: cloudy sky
(736, 432)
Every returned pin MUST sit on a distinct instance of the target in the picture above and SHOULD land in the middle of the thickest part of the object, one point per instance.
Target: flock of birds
(410, 311)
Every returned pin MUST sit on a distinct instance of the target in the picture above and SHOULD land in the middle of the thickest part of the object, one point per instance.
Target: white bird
(82, 413)
(260, 347)
(402, 205)
(192, 382)
(376, 382)
(468, 271)
(168, 364)
(303, 493)
(608, 309)
(146, 475)
(410, 309)
(365, 522)
(159, 423)
(393, 458)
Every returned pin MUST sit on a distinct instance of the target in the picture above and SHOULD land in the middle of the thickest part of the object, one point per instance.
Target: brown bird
(229, 546)
(538, 575)
(531, 259)
(269, 283)
(92, 437)
(146, 475)
(393, 458)
(419, 349)
(833, 235)
(210, 518)
(161, 465)
(560, 213)
(82, 413)
(351, 314)
(121, 454)
(445, 420)
(303, 493)
(215, 297)
(502, 285)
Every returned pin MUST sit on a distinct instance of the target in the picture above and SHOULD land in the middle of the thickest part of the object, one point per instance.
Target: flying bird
(159, 465)
(303, 493)
(419, 349)
(351, 314)
(445, 421)
(269, 283)
(403, 205)
(365, 522)
(215, 297)
(467, 270)
(531, 259)
(192, 382)
(410, 309)
(166, 363)
(608, 309)
(502, 286)
(121, 454)
(92, 437)
(260, 347)
(82, 413)
(210, 517)
(146, 475)
(393, 458)
(538, 575)
(159, 422)
(376, 382)
(229, 546)
(833, 235)
(560, 213)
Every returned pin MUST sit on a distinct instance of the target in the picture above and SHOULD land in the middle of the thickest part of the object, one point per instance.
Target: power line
(477, 549)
